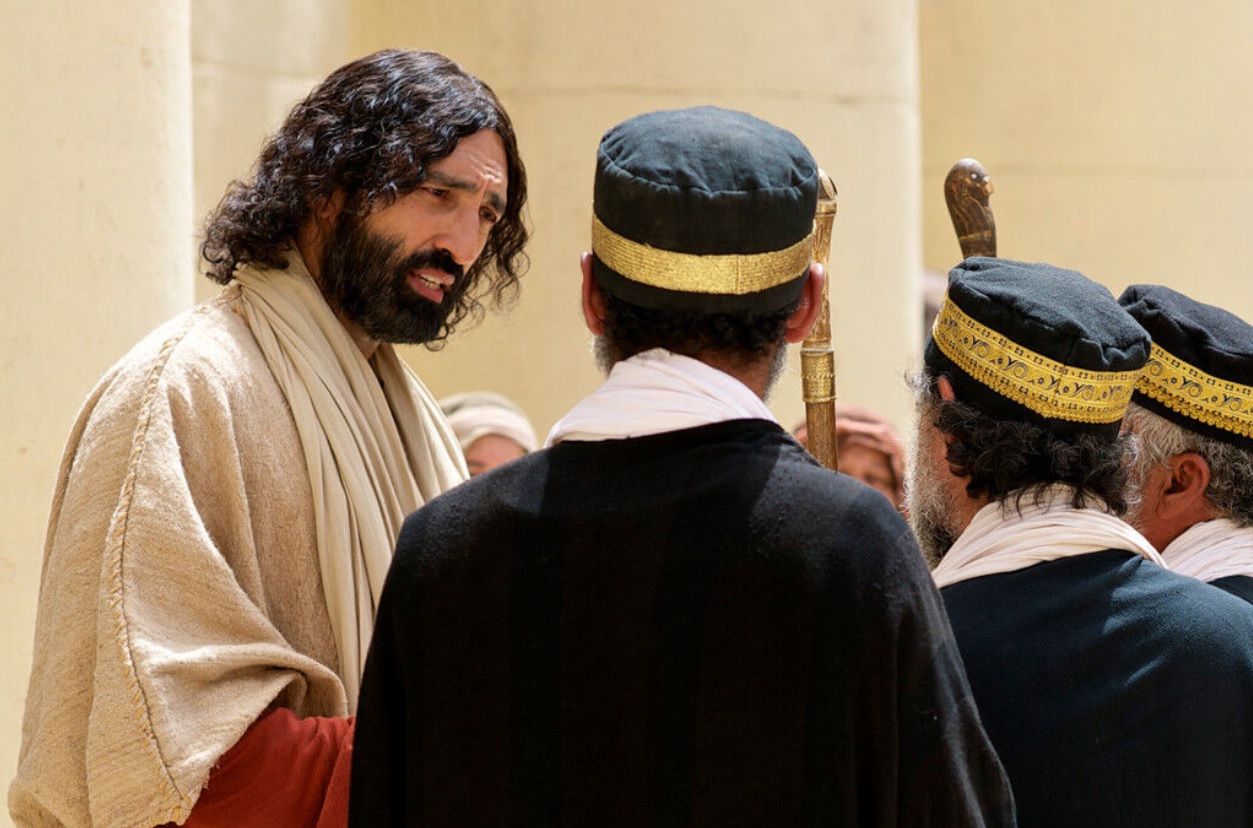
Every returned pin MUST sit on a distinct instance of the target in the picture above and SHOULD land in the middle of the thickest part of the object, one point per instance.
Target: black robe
(697, 628)
(1116, 693)
(1238, 585)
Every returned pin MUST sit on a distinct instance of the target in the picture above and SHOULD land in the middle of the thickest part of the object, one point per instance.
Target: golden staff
(966, 190)
(817, 357)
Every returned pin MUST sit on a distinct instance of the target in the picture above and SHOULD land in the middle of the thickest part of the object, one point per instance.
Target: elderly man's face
(399, 272)
(929, 495)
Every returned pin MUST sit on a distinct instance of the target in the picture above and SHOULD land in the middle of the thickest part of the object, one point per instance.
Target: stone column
(251, 62)
(96, 172)
(842, 75)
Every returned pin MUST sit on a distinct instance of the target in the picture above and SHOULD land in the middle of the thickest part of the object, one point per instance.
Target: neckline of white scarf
(1212, 549)
(654, 392)
(1010, 535)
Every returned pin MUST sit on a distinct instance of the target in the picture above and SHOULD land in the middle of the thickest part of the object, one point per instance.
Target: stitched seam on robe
(116, 553)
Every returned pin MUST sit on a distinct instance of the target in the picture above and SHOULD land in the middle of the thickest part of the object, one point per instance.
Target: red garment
(283, 771)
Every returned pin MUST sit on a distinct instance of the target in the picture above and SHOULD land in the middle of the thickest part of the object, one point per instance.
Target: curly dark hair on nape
(740, 337)
(1004, 458)
(368, 131)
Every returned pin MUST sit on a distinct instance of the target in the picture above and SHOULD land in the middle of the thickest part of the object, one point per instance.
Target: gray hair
(1230, 489)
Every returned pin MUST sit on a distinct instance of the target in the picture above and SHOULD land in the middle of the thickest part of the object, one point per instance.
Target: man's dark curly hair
(741, 337)
(369, 131)
(1001, 458)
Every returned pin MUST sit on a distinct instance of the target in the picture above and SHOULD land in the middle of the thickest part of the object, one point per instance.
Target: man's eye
(438, 192)
(489, 216)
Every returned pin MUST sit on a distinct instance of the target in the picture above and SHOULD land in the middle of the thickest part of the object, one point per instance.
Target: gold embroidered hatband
(1184, 388)
(1045, 386)
(734, 274)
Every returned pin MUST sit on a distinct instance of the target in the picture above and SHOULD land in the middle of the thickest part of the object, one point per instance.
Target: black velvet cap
(703, 209)
(1037, 343)
(1200, 371)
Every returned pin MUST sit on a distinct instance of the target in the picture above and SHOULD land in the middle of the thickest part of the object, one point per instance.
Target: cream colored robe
(181, 595)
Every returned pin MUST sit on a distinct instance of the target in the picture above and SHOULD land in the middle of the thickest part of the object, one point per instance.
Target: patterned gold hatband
(1045, 386)
(1184, 388)
(733, 274)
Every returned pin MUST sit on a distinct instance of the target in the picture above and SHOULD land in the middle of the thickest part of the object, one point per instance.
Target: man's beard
(928, 507)
(366, 278)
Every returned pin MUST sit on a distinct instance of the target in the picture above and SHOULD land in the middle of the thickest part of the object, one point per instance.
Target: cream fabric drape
(375, 443)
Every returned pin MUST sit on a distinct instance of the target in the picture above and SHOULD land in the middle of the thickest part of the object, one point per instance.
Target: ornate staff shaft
(817, 356)
(966, 190)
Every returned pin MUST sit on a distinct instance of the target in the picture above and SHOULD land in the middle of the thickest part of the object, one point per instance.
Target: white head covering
(475, 414)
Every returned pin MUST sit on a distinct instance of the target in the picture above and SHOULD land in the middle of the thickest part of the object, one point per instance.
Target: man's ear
(593, 298)
(312, 235)
(326, 209)
(806, 313)
(1183, 497)
(945, 388)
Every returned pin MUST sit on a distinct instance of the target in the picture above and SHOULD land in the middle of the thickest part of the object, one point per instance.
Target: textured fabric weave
(1211, 550)
(181, 595)
(697, 628)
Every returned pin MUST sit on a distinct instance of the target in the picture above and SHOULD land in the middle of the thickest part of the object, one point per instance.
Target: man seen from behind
(1117, 693)
(673, 615)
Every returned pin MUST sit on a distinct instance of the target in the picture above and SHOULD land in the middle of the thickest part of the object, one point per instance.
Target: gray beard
(929, 509)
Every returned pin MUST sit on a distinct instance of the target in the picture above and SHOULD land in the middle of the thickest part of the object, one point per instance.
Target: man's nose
(464, 237)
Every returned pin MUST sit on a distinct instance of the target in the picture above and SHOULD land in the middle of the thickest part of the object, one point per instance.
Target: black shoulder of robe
(698, 628)
(1239, 585)
(1116, 693)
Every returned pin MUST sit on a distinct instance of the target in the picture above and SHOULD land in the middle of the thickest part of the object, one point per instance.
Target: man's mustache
(433, 260)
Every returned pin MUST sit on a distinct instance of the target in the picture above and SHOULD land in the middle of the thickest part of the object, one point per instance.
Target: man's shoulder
(1112, 593)
(204, 358)
(460, 522)
(207, 345)
(1200, 609)
(212, 332)
(1239, 585)
(517, 484)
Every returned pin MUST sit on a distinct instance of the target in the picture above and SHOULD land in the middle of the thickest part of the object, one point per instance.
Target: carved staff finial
(966, 190)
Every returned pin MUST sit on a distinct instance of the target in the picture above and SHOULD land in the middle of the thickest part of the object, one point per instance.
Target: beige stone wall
(841, 75)
(96, 178)
(1117, 134)
(251, 61)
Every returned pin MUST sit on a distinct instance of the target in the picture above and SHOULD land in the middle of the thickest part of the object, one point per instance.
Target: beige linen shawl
(183, 588)
(376, 447)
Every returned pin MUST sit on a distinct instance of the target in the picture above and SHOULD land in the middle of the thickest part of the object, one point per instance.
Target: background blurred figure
(491, 428)
(870, 448)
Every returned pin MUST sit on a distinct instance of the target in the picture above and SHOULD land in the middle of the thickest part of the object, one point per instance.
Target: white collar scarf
(375, 443)
(1001, 538)
(654, 392)
(1211, 550)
